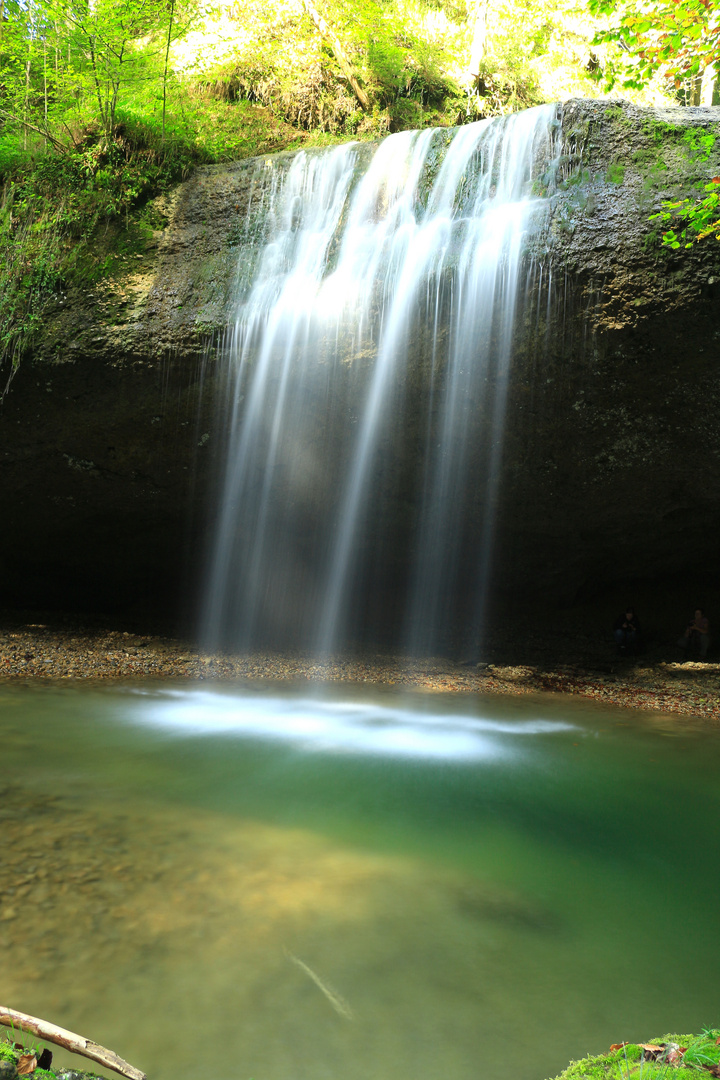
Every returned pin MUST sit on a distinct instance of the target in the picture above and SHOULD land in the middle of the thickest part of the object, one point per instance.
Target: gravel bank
(36, 651)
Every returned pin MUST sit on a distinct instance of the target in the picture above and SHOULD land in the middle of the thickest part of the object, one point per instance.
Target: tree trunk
(165, 70)
(707, 85)
(340, 55)
(45, 90)
(479, 38)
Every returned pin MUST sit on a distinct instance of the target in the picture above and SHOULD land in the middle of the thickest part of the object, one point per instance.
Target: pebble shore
(36, 651)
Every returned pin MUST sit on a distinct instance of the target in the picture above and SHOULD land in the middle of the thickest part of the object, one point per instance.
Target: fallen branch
(9, 118)
(76, 1043)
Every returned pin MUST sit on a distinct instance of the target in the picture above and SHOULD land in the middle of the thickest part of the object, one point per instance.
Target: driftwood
(76, 1043)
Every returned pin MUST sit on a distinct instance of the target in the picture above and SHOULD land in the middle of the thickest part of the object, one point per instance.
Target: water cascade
(365, 387)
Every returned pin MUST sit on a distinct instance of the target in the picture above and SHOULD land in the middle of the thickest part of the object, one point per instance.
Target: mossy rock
(630, 1062)
(9, 1057)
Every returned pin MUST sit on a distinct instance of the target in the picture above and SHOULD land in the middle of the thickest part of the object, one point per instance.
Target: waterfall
(365, 386)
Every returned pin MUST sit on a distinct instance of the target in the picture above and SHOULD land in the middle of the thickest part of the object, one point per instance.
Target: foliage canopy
(679, 39)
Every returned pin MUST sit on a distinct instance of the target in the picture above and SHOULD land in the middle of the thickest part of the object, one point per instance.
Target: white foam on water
(317, 725)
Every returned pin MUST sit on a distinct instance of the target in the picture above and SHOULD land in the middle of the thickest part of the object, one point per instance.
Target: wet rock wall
(109, 443)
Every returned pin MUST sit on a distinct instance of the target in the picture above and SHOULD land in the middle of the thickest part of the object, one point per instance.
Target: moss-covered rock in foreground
(682, 1057)
(10, 1062)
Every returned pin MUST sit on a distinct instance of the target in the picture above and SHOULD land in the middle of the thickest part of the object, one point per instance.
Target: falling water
(366, 385)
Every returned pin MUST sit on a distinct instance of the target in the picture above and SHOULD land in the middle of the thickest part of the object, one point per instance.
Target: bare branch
(10, 118)
(76, 1043)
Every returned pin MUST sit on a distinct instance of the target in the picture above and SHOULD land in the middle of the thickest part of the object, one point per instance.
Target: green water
(250, 883)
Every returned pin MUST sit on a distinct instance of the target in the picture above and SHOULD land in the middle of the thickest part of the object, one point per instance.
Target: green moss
(652, 241)
(650, 158)
(699, 142)
(615, 173)
(9, 1053)
(658, 131)
(627, 1062)
(696, 143)
(210, 269)
(616, 115)
(614, 1065)
(579, 176)
(704, 1051)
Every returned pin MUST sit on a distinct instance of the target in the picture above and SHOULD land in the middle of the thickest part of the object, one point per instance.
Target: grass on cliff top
(63, 216)
(631, 1062)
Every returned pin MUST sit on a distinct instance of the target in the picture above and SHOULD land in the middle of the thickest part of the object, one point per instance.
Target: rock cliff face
(614, 443)
(109, 442)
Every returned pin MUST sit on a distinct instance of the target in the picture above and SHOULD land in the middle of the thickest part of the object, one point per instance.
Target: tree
(329, 35)
(83, 57)
(105, 38)
(678, 39)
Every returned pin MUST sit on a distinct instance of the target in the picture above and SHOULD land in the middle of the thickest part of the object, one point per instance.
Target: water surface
(263, 883)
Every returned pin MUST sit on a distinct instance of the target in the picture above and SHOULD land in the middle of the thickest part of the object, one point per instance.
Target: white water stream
(366, 386)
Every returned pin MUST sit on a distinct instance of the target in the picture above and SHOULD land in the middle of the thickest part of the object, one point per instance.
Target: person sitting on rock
(627, 631)
(697, 634)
